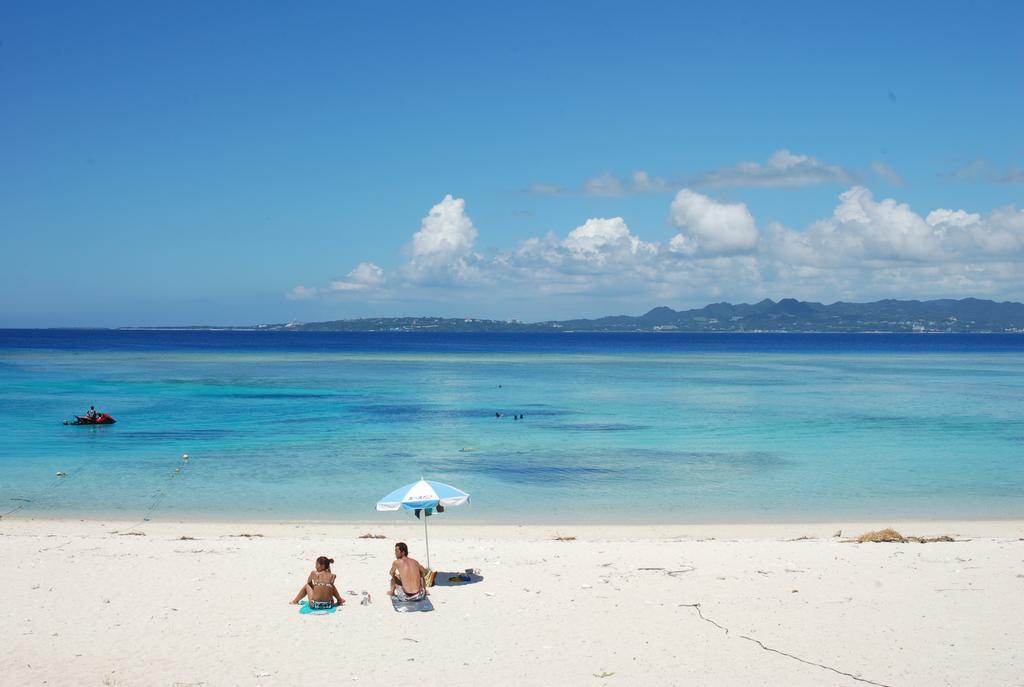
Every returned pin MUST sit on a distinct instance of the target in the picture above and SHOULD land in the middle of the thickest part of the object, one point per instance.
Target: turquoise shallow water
(649, 429)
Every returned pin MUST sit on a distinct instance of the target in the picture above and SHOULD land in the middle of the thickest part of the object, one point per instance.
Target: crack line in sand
(783, 653)
(707, 620)
(812, 663)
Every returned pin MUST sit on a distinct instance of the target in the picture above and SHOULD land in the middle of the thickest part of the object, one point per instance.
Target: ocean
(664, 427)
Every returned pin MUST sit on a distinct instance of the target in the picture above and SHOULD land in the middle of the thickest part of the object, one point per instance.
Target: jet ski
(100, 419)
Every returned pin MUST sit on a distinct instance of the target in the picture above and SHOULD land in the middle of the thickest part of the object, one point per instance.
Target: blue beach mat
(423, 605)
(304, 609)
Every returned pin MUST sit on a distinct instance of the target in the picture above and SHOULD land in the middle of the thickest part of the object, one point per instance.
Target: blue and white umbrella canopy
(423, 494)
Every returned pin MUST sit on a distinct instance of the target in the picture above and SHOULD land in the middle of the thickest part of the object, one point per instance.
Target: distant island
(786, 315)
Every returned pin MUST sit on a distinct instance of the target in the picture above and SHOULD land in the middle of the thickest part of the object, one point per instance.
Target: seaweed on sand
(886, 535)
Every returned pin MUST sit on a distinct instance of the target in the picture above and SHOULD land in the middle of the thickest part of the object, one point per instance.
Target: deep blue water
(647, 427)
(440, 342)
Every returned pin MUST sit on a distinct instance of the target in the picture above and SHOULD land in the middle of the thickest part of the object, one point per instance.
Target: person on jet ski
(92, 414)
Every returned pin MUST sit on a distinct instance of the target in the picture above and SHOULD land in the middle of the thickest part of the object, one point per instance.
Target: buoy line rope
(58, 480)
(161, 494)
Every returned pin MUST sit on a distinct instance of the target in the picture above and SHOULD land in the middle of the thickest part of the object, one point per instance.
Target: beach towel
(405, 606)
(316, 608)
(402, 595)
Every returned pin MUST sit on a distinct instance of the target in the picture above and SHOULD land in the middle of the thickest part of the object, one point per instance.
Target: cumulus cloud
(599, 245)
(783, 168)
(867, 248)
(442, 250)
(862, 230)
(599, 241)
(366, 275)
(710, 227)
(600, 258)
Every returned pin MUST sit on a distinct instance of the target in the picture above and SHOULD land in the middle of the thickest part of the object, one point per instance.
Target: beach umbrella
(421, 496)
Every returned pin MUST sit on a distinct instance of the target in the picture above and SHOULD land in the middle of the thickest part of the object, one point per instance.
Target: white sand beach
(189, 603)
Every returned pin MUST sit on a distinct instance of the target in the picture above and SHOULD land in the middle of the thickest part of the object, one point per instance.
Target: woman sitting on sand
(319, 588)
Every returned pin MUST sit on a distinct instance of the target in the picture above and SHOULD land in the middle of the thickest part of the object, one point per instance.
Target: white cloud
(983, 170)
(887, 173)
(599, 241)
(366, 275)
(969, 235)
(599, 256)
(783, 168)
(975, 169)
(606, 185)
(1013, 175)
(302, 293)
(954, 218)
(440, 253)
(866, 249)
(709, 227)
(442, 250)
(638, 182)
(642, 182)
(862, 229)
(603, 185)
(549, 189)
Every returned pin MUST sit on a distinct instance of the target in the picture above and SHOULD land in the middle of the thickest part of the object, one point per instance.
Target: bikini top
(320, 583)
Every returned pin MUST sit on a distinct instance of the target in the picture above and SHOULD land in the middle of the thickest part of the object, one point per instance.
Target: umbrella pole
(426, 538)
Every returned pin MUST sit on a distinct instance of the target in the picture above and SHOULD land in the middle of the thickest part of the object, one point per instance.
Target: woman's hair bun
(331, 561)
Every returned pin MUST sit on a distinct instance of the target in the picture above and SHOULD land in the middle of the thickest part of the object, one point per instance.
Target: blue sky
(245, 162)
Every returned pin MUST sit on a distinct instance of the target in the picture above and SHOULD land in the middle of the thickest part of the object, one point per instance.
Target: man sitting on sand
(406, 576)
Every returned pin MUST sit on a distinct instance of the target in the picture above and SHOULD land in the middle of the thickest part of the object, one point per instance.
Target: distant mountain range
(786, 315)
